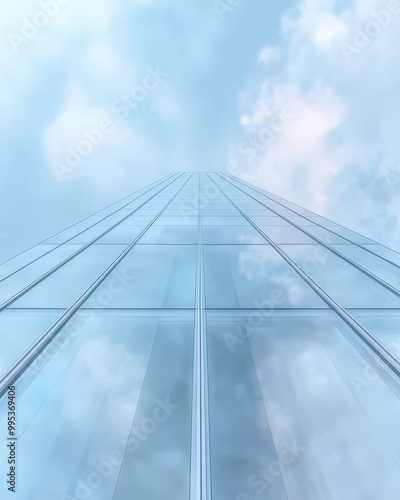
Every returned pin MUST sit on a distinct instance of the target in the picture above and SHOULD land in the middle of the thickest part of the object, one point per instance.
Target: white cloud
(303, 142)
(347, 116)
(270, 55)
(110, 153)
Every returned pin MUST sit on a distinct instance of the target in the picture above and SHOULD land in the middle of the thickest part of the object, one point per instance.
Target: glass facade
(202, 339)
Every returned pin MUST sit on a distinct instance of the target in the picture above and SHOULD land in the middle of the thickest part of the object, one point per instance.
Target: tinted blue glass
(254, 277)
(177, 221)
(23, 259)
(178, 235)
(379, 267)
(384, 252)
(19, 330)
(270, 221)
(13, 284)
(165, 454)
(286, 235)
(323, 222)
(352, 236)
(242, 443)
(86, 237)
(385, 327)
(120, 235)
(120, 361)
(231, 235)
(300, 221)
(326, 236)
(150, 276)
(224, 221)
(341, 280)
(314, 403)
(136, 220)
(298, 405)
(66, 284)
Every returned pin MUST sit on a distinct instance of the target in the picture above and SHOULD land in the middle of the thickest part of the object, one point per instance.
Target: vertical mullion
(200, 475)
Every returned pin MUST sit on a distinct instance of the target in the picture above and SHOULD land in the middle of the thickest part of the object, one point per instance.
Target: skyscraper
(201, 338)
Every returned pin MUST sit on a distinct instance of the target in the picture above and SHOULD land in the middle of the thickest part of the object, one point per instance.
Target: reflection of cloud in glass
(309, 396)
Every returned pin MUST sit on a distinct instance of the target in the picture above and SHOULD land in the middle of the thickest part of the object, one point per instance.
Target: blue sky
(300, 97)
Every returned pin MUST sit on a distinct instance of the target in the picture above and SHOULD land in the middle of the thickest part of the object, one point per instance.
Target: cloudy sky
(100, 98)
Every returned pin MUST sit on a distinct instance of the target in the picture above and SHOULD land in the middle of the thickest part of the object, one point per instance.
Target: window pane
(231, 235)
(385, 253)
(120, 235)
(64, 286)
(176, 221)
(12, 285)
(313, 399)
(179, 235)
(224, 221)
(287, 234)
(25, 258)
(385, 327)
(116, 363)
(87, 235)
(241, 439)
(254, 276)
(352, 236)
(381, 268)
(150, 276)
(270, 221)
(341, 280)
(327, 236)
(19, 330)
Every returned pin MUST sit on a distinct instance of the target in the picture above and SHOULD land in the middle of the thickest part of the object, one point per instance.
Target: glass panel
(323, 222)
(287, 234)
(12, 285)
(342, 281)
(86, 237)
(64, 286)
(385, 253)
(381, 268)
(176, 221)
(270, 221)
(385, 327)
(300, 221)
(120, 235)
(135, 220)
(224, 221)
(165, 455)
(231, 235)
(352, 236)
(343, 438)
(150, 276)
(67, 234)
(177, 235)
(94, 219)
(220, 213)
(152, 212)
(241, 440)
(326, 236)
(254, 277)
(114, 219)
(19, 330)
(17, 262)
(111, 421)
